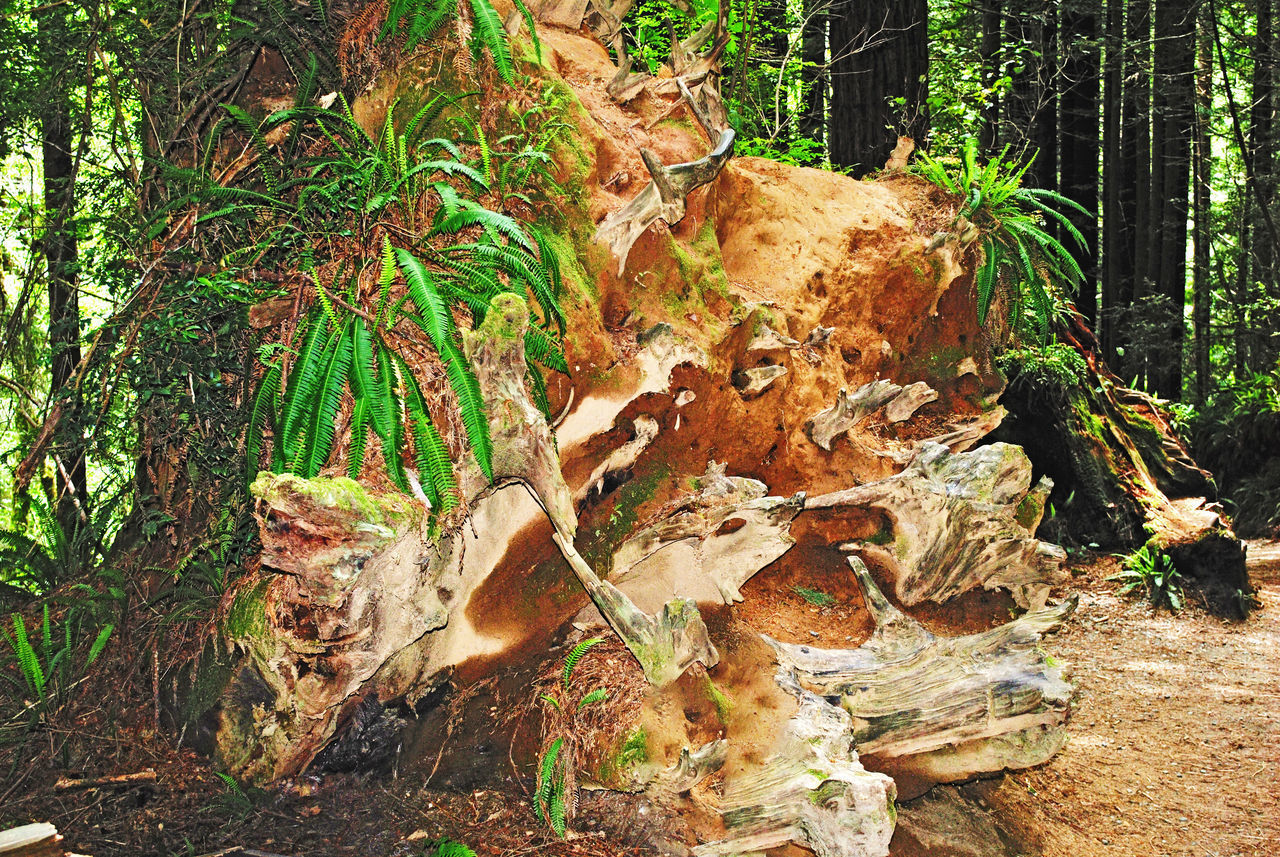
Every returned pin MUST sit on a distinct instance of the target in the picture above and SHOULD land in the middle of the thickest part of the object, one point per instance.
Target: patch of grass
(816, 597)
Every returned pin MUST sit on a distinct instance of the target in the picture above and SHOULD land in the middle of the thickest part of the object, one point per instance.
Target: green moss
(722, 701)
(246, 618)
(882, 536)
(622, 519)
(1029, 511)
(630, 752)
(392, 511)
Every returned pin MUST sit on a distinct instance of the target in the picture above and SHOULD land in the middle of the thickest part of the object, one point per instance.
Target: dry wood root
(931, 709)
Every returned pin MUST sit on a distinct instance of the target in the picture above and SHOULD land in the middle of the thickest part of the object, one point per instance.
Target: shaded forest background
(127, 364)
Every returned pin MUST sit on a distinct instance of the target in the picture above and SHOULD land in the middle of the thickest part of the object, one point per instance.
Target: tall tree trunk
(1080, 134)
(1135, 177)
(813, 76)
(1173, 109)
(880, 80)
(1263, 146)
(1117, 222)
(61, 260)
(1201, 178)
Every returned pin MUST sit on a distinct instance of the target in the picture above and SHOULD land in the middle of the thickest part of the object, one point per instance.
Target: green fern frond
(333, 383)
(532, 26)
(99, 643)
(597, 695)
(28, 662)
(301, 379)
(359, 434)
(434, 464)
(987, 275)
(488, 31)
(449, 848)
(437, 322)
(546, 773)
(575, 655)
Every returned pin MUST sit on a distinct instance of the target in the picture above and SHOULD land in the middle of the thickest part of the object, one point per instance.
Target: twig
(125, 780)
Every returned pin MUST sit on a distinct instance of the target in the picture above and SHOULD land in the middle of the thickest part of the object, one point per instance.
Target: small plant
(556, 791)
(1151, 569)
(45, 665)
(235, 799)
(446, 847)
(1010, 219)
(816, 597)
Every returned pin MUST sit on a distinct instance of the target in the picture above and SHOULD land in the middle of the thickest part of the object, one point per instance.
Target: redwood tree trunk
(1173, 111)
(880, 86)
(1080, 134)
(813, 76)
(61, 257)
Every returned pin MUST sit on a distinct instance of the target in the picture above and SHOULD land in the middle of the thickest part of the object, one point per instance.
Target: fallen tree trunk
(1121, 476)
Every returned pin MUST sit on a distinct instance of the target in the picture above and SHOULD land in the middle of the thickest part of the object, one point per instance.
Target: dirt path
(1175, 742)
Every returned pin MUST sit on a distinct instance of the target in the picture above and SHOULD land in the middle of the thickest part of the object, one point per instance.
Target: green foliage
(816, 597)
(439, 252)
(556, 764)
(447, 847)
(1018, 252)
(549, 797)
(575, 655)
(36, 564)
(1151, 569)
(46, 663)
(1235, 435)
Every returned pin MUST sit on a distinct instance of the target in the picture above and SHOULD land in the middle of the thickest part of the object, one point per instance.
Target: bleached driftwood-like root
(826, 426)
(811, 791)
(523, 450)
(960, 521)
(663, 198)
(710, 545)
(935, 709)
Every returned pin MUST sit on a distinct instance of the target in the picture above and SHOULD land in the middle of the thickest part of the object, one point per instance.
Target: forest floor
(1174, 750)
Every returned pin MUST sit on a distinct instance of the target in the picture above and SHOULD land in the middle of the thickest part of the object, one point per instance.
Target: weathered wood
(933, 709)
(523, 449)
(960, 521)
(663, 198)
(709, 544)
(137, 778)
(826, 426)
(32, 840)
(810, 791)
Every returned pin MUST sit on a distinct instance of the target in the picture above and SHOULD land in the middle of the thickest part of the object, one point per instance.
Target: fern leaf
(987, 275)
(597, 695)
(575, 655)
(28, 662)
(385, 385)
(430, 453)
(490, 33)
(438, 323)
(99, 643)
(546, 773)
(265, 408)
(320, 430)
(471, 214)
(533, 29)
(294, 409)
(359, 435)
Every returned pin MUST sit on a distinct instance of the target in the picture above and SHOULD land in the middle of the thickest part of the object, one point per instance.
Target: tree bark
(1201, 207)
(880, 85)
(1173, 111)
(814, 77)
(1080, 134)
(1263, 146)
(61, 259)
(1117, 261)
